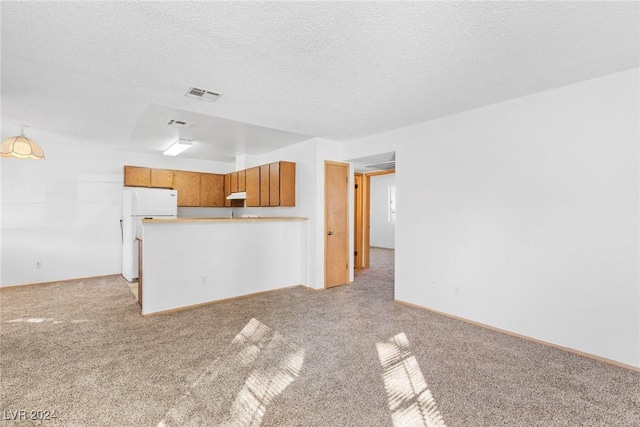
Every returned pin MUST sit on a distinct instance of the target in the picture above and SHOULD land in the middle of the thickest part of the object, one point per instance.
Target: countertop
(184, 220)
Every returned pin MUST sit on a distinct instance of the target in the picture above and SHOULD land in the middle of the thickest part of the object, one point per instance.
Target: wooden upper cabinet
(287, 184)
(211, 190)
(282, 184)
(234, 182)
(242, 180)
(161, 178)
(194, 188)
(188, 186)
(264, 185)
(135, 176)
(227, 189)
(253, 186)
(274, 184)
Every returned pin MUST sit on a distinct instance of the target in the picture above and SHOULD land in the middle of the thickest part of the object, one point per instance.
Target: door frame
(326, 230)
(358, 180)
(366, 215)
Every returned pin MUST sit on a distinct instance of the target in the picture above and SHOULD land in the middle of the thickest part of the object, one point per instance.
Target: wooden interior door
(336, 214)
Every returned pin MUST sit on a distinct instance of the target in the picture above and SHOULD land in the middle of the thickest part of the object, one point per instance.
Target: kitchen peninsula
(186, 262)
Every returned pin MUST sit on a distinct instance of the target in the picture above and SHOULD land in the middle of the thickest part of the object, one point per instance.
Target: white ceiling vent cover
(179, 123)
(205, 95)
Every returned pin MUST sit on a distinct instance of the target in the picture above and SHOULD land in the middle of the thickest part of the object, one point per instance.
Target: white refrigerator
(138, 204)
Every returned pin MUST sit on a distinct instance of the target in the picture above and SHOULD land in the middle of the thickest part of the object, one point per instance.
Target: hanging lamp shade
(21, 147)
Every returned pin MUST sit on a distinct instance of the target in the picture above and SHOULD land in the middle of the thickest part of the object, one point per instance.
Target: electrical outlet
(38, 264)
(204, 280)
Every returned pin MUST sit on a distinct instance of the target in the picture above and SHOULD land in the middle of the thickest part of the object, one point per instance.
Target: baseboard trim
(514, 334)
(203, 304)
(79, 279)
(335, 286)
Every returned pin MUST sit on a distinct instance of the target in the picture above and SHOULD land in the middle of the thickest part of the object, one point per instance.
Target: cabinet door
(211, 190)
(264, 185)
(287, 184)
(274, 184)
(234, 182)
(242, 180)
(253, 186)
(135, 176)
(161, 178)
(188, 186)
(227, 189)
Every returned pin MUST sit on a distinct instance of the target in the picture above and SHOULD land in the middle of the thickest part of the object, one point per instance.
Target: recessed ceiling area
(213, 138)
(375, 162)
(96, 71)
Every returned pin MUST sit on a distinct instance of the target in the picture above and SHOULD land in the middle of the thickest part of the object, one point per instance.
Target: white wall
(1, 233)
(383, 232)
(232, 258)
(65, 210)
(309, 157)
(530, 210)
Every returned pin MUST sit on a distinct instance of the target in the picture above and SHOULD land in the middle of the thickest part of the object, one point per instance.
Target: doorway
(382, 209)
(336, 226)
(374, 231)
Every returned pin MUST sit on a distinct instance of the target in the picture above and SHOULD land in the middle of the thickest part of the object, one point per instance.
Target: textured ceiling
(337, 70)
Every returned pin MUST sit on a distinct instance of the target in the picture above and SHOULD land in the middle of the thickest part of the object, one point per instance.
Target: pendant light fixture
(21, 147)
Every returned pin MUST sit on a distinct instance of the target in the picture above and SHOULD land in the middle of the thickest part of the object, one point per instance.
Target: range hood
(242, 195)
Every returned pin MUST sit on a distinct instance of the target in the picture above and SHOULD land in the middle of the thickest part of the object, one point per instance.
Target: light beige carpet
(347, 356)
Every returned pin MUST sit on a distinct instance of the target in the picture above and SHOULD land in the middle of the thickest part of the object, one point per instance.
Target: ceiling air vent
(179, 123)
(205, 95)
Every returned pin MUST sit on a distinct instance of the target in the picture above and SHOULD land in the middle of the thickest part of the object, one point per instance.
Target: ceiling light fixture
(21, 147)
(178, 147)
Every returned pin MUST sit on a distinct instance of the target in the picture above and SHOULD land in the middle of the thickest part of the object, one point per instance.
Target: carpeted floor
(347, 356)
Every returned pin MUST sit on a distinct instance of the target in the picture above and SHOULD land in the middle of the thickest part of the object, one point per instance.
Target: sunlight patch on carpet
(410, 400)
(237, 389)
